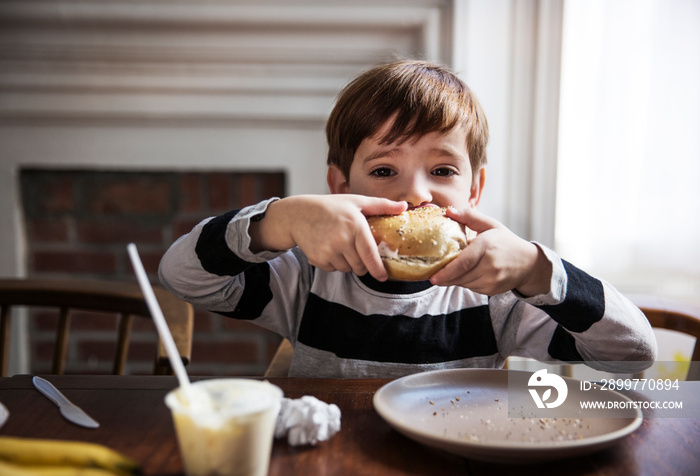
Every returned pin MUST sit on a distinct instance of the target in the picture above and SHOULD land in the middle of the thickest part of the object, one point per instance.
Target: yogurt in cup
(225, 427)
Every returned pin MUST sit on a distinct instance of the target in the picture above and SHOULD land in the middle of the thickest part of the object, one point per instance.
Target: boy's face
(432, 171)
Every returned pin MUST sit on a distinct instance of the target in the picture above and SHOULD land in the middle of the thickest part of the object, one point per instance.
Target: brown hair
(421, 97)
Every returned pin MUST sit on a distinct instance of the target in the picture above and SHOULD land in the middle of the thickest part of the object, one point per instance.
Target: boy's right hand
(331, 230)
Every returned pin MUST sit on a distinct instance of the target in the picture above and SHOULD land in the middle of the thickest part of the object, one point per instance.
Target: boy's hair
(421, 97)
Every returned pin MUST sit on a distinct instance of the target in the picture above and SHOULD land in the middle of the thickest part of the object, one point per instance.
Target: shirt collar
(395, 287)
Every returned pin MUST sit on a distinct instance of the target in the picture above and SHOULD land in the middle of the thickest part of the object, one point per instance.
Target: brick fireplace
(78, 223)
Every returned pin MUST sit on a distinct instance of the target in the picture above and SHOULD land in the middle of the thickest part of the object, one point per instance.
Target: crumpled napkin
(307, 420)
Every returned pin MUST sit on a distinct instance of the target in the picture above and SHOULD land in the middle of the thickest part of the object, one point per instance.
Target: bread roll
(417, 243)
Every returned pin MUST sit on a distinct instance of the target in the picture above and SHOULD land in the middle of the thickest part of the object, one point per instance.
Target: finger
(339, 263)
(381, 206)
(460, 270)
(473, 280)
(473, 219)
(330, 263)
(368, 253)
(356, 264)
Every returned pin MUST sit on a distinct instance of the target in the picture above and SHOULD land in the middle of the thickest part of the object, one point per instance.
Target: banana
(8, 469)
(72, 454)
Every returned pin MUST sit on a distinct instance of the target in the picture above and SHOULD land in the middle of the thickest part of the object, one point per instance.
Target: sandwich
(418, 243)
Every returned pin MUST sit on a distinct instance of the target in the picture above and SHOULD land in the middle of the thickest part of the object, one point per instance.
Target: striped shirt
(344, 325)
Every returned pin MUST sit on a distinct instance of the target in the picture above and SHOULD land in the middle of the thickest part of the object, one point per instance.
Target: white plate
(465, 412)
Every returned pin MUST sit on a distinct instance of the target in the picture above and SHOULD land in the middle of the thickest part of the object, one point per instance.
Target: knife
(71, 412)
(4, 414)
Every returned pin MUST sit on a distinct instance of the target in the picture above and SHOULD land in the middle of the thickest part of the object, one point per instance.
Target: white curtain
(628, 184)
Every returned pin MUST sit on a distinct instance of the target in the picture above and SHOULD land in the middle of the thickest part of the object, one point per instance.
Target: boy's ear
(477, 187)
(336, 180)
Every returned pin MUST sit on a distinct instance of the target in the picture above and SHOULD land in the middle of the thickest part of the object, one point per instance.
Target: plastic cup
(225, 427)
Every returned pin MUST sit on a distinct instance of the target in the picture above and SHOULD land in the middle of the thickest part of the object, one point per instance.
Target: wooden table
(135, 421)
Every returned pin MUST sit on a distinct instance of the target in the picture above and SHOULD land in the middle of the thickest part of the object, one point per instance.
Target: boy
(405, 134)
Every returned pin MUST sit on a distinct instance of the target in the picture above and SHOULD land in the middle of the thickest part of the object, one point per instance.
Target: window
(628, 184)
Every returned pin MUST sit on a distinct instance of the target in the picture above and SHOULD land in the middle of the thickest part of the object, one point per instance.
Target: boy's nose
(417, 193)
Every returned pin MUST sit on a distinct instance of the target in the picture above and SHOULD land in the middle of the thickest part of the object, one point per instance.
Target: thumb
(473, 219)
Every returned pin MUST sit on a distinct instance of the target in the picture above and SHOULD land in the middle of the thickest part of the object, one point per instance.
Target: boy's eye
(382, 172)
(444, 172)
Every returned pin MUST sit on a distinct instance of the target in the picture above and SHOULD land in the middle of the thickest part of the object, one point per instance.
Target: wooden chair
(123, 298)
(281, 361)
(677, 316)
(661, 313)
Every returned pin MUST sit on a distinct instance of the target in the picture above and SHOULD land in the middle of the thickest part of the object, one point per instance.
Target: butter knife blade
(4, 414)
(69, 410)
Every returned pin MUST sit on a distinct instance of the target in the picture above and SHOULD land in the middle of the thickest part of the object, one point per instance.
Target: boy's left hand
(496, 260)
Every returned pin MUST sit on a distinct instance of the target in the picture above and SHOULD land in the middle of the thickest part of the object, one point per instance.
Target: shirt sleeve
(583, 319)
(213, 268)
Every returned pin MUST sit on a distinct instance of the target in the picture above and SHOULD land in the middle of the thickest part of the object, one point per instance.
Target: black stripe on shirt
(256, 293)
(213, 251)
(400, 339)
(584, 304)
(563, 346)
